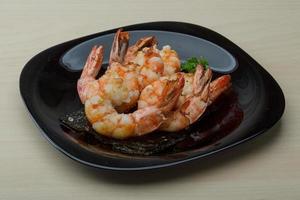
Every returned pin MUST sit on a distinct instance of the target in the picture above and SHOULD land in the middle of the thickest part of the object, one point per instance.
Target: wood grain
(265, 168)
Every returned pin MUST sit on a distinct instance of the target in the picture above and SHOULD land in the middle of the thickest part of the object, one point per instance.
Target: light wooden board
(265, 168)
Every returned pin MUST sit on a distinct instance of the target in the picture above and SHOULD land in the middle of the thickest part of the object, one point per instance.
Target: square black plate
(48, 88)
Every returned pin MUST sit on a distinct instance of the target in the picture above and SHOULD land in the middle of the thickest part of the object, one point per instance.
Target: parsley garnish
(191, 64)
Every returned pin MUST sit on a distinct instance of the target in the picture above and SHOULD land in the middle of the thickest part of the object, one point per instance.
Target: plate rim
(232, 69)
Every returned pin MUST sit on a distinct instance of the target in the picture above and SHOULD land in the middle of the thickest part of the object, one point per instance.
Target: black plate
(48, 88)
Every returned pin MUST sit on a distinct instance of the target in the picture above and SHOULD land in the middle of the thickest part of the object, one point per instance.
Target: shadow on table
(203, 165)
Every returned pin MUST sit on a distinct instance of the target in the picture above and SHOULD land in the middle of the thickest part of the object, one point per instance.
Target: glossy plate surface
(185, 45)
(48, 88)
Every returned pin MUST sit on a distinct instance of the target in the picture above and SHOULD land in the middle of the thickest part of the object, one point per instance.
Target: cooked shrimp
(87, 86)
(216, 88)
(194, 106)
(118, 90)
(143, 55)
(170, 59)
(190, 109)
(107, 121)
(151, 66)
(152, 94)
(177, 120)
(152, 62)
(167, 56)
(119, 84)
(124, 79)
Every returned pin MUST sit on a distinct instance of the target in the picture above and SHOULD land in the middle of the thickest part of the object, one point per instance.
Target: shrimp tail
(119, 47)
(218, 86)
(196, 105)
(149, 41)
(90, 71)
(171, 93)
(147, 120)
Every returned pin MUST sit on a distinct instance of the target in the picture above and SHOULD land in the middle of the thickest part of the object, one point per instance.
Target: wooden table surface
(265, 168)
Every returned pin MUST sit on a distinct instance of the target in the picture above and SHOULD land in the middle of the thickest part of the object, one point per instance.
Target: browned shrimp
(170, 59)
(119, 84)
(196, 95)
(117, 90)
(107, 121)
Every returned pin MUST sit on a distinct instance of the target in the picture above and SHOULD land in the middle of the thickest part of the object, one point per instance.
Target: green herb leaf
(203, 62)
(191, 64)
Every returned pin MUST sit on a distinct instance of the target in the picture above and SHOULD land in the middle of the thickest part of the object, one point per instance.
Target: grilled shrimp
(197, 94)
(143, 55)
(216, 88)
(123, 80)
(153, 93)
(107, 121)
(154, 62)
(189, 106)
(193, 106)
(119, 84)
(116, 91)
(138, 70)
(170, 59)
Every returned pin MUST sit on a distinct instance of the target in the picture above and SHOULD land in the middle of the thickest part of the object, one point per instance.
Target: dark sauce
(219, 120)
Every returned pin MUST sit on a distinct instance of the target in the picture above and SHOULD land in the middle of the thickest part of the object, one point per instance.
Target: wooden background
(265, 168)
